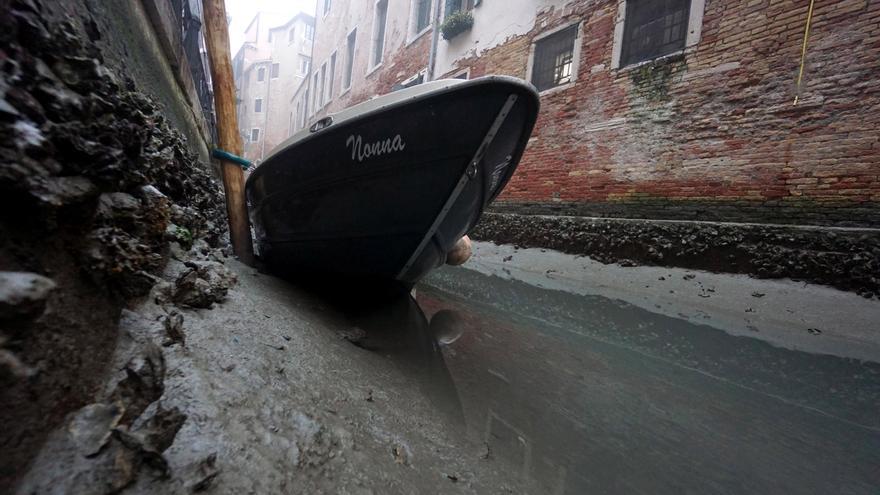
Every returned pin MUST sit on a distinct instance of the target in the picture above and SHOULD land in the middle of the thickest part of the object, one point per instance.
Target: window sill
(557, 89)
(662, 58)
(344, 92)
(373, 69)
(418, 35)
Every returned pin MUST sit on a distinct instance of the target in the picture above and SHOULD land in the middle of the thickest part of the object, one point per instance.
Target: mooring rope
(229, 157)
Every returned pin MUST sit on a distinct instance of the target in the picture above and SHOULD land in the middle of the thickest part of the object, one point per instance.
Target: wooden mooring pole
(228, 139)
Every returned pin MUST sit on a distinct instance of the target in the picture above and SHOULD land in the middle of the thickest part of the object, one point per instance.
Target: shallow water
(585, 394)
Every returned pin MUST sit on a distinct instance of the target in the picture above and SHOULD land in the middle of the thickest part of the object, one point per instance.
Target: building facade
(679, 109)
(269, 69)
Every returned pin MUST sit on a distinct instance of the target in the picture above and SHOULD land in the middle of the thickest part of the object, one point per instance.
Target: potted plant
(456, 23)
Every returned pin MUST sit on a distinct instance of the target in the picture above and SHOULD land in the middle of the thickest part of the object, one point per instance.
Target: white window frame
(323, 91)
(375, 36)
(467, 74)
(271, 67)
(694, 32)
(575, 55)
(349, 59)
(412, 34)
(259, 134)
(331, 75)
(308, 65)
(315, 93)
(260, 100)
(328, 5)
(263, 70)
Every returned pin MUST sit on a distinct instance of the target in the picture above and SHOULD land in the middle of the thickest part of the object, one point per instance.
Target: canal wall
(845, 258)
(104, 176)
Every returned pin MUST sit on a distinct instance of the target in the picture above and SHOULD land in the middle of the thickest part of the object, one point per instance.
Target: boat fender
(459, 253)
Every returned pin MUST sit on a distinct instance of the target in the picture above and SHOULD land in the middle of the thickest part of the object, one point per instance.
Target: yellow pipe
(803, 52)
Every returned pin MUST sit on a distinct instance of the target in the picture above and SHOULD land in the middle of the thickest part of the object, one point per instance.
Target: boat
(385, 188)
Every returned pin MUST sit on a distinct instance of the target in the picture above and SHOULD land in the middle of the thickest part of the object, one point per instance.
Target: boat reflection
(385, 318)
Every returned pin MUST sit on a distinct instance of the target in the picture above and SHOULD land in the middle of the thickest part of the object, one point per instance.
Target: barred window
(553, 61)
(654, 28)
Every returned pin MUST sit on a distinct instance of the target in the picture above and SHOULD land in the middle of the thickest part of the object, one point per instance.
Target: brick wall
(716, 125)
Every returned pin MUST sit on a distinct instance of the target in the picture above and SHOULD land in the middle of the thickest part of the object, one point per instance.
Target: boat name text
(361, 150)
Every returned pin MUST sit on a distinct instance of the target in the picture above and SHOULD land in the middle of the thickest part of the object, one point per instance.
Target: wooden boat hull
(388, 191)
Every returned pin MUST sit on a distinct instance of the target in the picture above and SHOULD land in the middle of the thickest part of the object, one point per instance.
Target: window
(349, 58)
(261, 74)
(304, 65)
(379, 40)
(255, 135)
(553, 61)
(423, 15)
(291, 35)
(332, 76)
(315, 92)
(305, 106)
(258, 105)
(456, 5)
(653, 28)
(276, 68)
(310, 32)
(412, 81)
(326, 6)
(323, 88)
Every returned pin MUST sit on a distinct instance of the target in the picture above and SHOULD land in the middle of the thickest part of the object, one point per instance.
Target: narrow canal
(587, 394)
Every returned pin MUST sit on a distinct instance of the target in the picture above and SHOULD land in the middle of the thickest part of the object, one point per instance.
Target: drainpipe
(266, 104)
(435, 38)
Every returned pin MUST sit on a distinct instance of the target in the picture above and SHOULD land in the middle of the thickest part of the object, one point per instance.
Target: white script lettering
(361, 150)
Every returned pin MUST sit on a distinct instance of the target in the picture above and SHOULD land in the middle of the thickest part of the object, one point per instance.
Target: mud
(95, 187)
(848, 259)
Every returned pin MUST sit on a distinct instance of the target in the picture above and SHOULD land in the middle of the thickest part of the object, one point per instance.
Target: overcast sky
(243, 11)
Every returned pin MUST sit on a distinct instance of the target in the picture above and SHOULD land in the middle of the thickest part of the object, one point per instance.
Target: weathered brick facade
(708, 134)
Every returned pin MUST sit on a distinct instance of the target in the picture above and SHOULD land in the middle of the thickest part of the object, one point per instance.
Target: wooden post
(217, 41)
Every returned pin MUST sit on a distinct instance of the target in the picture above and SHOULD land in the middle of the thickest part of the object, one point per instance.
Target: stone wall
(103, 172)
(712, 133)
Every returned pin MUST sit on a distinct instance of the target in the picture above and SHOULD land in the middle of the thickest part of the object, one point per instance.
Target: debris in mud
(173, 323)
(758, 294)
(91, 427)
(11, 367)
(23, 295)
(203, 284)
(143, 383)
(814, 331)
(204, 473)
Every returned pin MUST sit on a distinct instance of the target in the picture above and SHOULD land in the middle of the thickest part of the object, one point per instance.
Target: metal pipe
(435, 38)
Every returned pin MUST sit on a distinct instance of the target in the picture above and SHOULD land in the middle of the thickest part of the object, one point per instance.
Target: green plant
(183, 236)
(456, 23)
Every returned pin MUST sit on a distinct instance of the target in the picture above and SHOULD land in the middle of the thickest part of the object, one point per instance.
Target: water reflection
(386, 319)
(589, 395)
